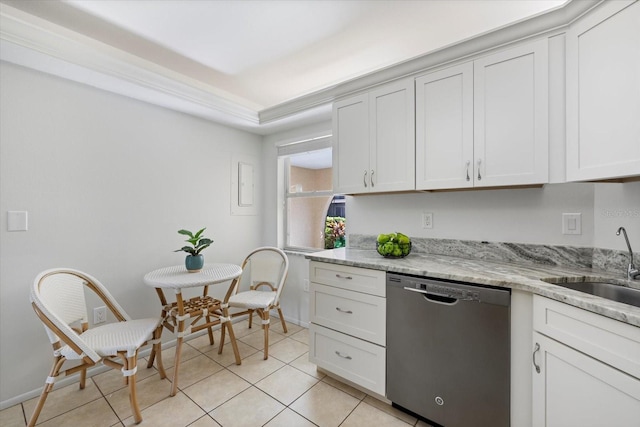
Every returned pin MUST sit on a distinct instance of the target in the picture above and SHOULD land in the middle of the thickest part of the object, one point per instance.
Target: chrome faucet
(632, 271)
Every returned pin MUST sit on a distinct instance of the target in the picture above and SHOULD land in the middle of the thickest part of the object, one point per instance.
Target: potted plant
(195, 260)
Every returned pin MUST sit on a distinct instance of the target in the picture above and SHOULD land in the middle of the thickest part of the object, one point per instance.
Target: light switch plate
(427, 220)
(571, 223)
(17, 221)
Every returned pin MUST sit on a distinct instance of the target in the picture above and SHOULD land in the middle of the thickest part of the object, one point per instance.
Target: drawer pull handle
(344, 357)
(339, 276)
(344, 311)
(537, 349)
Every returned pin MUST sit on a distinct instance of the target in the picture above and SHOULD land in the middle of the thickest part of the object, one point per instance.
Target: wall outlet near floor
(571, 223)
(99, 315)
(427, 220)
(305, 285)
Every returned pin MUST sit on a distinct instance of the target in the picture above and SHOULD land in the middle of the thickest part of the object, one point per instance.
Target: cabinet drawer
(353, 359)
(354, 313)
(350, 278)
(612, 342)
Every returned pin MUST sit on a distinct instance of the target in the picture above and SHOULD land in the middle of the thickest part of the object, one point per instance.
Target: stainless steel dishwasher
(448, 350)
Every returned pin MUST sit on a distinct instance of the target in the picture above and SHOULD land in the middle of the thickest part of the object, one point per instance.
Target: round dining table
(187, 316)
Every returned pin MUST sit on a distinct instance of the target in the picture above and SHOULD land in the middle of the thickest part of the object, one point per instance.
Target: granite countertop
(530, 278)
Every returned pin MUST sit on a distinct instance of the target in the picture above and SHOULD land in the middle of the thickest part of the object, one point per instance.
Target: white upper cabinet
(511, 135)
(444, 129)
(351, 144)
(603, 93)
(485, 123)
(375, 140)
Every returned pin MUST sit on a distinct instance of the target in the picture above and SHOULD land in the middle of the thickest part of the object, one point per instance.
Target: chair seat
(252, 299)
(109, 339)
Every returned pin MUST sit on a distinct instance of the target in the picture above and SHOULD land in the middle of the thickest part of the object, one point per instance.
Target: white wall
(107, 182)
(530, 215)
(617, 205)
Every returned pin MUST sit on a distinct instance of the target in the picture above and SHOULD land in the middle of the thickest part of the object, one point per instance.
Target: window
(312, 217)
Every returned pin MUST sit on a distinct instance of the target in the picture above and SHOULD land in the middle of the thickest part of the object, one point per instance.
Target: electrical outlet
(305, 285)
(427, 220)
(99, 315)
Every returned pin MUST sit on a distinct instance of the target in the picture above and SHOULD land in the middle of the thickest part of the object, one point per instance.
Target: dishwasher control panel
(451, 289)
(448, 291)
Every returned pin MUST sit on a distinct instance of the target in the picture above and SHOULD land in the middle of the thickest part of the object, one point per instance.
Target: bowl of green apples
(394, 245)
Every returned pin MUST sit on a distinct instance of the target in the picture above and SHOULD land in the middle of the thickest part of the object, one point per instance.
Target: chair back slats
(59, 297)
(63, 294)
(268, 265)
(265, 267)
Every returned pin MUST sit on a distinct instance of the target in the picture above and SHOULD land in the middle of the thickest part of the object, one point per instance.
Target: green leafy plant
(198, 242)
(334, 231)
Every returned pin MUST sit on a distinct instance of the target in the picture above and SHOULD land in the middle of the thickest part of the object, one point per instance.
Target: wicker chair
(267, 268)
(58, 298)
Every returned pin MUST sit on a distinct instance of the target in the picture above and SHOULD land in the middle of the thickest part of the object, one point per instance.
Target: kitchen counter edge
(529, 278)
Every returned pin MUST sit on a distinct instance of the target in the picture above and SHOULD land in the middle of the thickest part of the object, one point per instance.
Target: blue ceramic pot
(194, 263)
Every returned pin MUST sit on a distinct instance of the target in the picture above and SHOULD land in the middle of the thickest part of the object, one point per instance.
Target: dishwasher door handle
(434, 298)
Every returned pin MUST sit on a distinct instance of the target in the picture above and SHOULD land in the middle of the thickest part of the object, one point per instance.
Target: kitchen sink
(606, 290)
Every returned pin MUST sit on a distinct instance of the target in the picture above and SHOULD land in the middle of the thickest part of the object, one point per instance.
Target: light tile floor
(284, 391)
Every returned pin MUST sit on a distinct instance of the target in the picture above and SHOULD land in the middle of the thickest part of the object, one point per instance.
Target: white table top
(177, 277)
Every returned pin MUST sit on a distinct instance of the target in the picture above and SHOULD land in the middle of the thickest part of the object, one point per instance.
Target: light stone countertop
(524, 277)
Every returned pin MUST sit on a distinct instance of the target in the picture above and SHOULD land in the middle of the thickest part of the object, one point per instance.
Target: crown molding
(555, 20)
(35, 43)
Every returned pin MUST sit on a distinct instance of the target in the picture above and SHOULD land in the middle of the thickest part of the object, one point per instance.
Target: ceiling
(258, 54)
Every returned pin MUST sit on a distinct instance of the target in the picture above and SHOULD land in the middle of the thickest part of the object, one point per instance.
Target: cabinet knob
(479, 175)
(371, 178)
(344, 311)
(365, 179)
(468, 164)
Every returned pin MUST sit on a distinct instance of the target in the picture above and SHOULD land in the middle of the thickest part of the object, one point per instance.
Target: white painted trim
(34, 43)
(555, 20)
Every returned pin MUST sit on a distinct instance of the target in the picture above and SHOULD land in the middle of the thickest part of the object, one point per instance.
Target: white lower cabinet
(354, 359)
(585, 368)
(348, 323)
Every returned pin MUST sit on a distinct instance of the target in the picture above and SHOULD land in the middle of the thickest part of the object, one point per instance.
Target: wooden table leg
(232, 336)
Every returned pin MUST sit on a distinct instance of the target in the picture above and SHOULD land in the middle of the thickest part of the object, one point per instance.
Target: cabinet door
(511, 141)
(444, 129)
(351, 145)
(392, 124)
(603, 93)
(575, 390)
